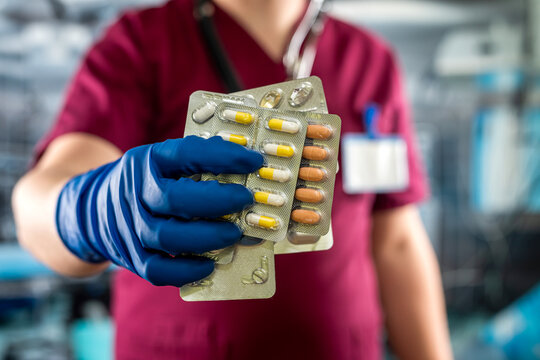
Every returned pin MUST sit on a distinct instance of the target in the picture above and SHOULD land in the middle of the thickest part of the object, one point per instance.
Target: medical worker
(110, 184)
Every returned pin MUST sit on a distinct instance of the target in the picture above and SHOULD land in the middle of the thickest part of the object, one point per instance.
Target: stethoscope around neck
(298, 59)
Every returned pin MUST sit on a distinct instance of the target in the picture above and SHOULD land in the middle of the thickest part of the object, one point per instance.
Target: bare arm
(410, 286)
(35, 197)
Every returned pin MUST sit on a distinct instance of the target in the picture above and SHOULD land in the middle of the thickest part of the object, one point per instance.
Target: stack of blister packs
(290, 125)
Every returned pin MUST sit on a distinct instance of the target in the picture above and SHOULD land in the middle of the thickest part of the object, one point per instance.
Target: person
(124, 117)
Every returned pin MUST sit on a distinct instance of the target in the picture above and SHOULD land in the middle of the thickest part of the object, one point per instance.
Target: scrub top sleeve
(111, 95)
(397, 120)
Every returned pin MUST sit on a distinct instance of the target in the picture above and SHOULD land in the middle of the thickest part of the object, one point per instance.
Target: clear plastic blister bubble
(238, 116)
(310, 194)
(263, 221)
(300, 95)
(272, 98)
(204, 112)
(237, 138)
(283, 124)
(269, 197)
(277, 148)
(275, 173)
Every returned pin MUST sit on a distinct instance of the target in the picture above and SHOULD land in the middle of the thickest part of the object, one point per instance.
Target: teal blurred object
(532, 168)
(17, 264)
(497, 163)
(93, 339)
(502, 81)
(516, 330)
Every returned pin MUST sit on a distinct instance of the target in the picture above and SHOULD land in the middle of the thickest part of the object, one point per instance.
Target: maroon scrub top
(133, 88)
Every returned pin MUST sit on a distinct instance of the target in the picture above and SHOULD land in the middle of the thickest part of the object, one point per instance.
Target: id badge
(374, 163)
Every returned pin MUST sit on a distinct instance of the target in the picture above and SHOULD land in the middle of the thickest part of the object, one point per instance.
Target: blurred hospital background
(472, 76)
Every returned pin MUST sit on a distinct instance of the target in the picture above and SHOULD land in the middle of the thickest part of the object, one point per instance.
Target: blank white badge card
(374, 165)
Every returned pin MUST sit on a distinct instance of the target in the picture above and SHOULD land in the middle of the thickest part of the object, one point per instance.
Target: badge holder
(374, 163)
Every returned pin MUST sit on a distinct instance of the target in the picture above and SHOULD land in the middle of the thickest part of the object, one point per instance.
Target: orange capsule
(311, 174)
(307, 217)
(309, 195)
(320, 132)
(315, 153)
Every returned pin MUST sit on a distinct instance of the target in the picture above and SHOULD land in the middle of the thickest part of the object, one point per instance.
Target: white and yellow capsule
(274, 174)
(284, 126)
(237, 139)
(265, 222)
(278, 150)
(268, 198)
(240, 117)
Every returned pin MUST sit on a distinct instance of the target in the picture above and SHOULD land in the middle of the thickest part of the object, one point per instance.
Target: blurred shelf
(429, 13)
(17, 264)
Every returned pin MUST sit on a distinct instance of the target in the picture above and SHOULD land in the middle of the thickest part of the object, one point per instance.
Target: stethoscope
(298, 59)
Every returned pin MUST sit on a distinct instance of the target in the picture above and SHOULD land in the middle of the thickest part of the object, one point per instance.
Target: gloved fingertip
(200, 269)
(243, 197)
(255, 160)
(231, 234)
(161, 270)
(218, 142)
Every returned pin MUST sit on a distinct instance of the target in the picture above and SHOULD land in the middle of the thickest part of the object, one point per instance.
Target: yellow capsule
(262, 221)
(240, 117)
(274, 174)
(237, 139)
(283, 126)
(278, 150)
(267, 198)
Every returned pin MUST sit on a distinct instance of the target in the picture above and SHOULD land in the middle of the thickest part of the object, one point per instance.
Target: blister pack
(321, 143)
(311, 214)
(290, 125)
(279, 136)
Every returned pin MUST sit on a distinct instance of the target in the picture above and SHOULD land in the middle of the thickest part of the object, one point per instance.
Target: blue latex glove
(139, 210)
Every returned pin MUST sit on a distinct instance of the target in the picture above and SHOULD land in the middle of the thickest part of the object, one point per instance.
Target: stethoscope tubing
(299, 56)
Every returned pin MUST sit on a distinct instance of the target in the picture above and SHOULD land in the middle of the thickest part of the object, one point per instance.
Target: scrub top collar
(253, 65)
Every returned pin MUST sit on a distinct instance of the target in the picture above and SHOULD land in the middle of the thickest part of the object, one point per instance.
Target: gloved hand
(139, 210)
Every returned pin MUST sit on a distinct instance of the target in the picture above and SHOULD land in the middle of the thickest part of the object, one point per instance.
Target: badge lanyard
(298, 59)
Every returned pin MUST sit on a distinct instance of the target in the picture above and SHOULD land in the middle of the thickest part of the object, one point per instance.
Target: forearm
(35, 198)
(411, 293)
(34, 206)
